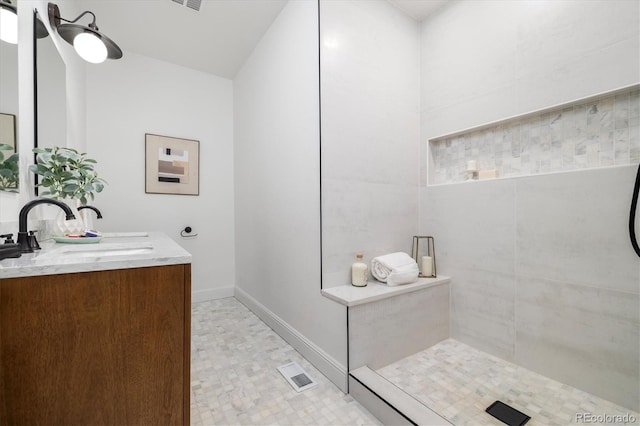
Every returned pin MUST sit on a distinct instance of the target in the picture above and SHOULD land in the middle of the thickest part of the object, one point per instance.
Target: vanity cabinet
(96, 348)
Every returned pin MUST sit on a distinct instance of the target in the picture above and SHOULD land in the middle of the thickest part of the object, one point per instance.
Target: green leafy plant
(9, 173)
(67, 173)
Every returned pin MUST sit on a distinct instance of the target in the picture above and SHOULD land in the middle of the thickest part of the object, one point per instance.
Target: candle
(427, 266)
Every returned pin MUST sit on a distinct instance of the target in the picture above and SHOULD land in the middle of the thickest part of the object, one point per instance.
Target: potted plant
(9, 173)
(67, 174)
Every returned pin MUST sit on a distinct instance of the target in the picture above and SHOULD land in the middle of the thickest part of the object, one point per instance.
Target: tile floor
(459, 382)
(234, 380)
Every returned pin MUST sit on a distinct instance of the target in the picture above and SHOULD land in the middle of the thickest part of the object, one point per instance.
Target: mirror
(50, 91)
(8, 112)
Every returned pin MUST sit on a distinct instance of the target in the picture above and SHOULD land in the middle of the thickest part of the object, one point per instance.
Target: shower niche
(593, 132)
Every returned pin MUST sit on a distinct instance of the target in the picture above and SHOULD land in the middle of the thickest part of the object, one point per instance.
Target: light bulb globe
(90, 47)
(8, 26)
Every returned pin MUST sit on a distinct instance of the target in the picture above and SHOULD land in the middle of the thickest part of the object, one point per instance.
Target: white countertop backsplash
(156, 249)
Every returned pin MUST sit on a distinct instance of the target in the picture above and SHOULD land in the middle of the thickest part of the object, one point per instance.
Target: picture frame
(172, 165)
(8, 130)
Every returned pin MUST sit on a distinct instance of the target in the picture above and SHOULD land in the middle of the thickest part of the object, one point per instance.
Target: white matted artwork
(172, 165)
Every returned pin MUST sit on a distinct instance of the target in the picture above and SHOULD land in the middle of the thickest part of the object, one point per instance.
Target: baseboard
(211, 294)
(327, 365)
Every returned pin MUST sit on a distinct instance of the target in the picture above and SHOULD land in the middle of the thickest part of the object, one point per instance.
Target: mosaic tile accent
(599, 133)
(460, 382)
(234, 380)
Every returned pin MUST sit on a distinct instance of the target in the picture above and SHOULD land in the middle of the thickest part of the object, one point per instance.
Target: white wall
(137, 95)
(370, 133)
(543, 273)
(277, 184)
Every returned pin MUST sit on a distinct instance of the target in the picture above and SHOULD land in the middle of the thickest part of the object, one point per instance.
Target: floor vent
(194, 4)
(191, 4)
(296, 376)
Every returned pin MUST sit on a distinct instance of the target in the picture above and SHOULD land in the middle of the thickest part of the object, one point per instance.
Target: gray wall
(387, 330)
(370, 133)
(543, 273)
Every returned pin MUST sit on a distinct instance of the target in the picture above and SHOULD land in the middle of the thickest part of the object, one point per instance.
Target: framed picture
(8, 131)
(171, 165)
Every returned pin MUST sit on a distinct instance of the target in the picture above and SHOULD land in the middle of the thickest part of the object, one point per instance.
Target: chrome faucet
(23, 237)
(95, 209)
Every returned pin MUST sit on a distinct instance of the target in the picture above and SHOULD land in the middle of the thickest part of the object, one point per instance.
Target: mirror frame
(36, 35)
(35, 96)
(40, 31)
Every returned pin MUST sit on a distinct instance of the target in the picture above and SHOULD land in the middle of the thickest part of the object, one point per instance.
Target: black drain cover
(301, 380)
(506, 414)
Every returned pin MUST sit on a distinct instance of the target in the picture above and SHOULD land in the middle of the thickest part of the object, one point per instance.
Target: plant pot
(86, 216)
(62, 226)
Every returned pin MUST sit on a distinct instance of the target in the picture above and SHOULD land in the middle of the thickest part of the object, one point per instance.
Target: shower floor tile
(234, 380)
(460, 382)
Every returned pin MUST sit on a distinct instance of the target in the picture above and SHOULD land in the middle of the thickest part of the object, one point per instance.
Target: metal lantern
(424, 253)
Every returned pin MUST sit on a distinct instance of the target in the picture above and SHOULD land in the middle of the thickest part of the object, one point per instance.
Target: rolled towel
(382, 266)
(405, 275)
(395, 269)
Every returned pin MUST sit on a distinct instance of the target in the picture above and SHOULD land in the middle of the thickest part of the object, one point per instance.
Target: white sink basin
(124, 234)
(102, 250)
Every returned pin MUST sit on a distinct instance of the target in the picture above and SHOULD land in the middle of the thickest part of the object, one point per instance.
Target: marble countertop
(349, 295)
(115, 251)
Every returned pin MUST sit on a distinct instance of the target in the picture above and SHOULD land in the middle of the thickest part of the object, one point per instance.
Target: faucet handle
(8, 238)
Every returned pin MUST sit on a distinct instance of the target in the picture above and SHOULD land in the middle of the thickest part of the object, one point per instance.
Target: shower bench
(386, 324)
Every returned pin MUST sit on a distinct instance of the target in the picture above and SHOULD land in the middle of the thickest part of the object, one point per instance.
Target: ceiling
(418, 9)
(217, 39)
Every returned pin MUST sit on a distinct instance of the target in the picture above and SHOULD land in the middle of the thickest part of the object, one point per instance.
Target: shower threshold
(388, 403)
(458, 383)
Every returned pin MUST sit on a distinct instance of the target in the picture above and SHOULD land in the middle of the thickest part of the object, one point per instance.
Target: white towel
(395, 269)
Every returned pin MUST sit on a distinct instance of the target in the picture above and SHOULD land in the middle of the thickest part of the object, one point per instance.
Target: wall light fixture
(8, 22)
(89, 43)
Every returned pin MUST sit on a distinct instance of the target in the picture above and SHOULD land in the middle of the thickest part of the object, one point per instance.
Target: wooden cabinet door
(98, 348)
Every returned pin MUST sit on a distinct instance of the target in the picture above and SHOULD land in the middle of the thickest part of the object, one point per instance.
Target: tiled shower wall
(370, 133)
(598, 133)
(543, 273)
